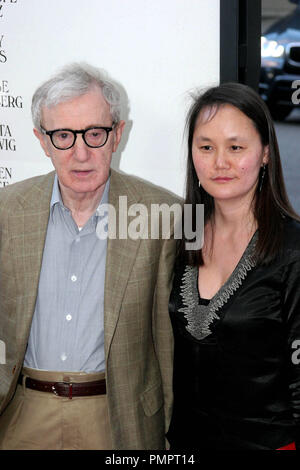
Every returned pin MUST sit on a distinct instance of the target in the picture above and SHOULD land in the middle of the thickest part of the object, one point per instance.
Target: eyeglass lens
(94, 137)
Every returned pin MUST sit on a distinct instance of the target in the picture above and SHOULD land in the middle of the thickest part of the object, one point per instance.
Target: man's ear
(42, 139)
(118, 131)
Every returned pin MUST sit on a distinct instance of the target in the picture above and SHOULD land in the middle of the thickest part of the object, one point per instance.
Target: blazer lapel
(28, 226)
(121, 254)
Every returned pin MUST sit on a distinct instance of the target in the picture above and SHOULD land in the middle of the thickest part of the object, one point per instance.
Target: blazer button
(14, 369)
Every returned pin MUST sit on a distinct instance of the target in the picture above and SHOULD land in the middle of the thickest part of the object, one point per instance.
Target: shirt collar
(57, 199)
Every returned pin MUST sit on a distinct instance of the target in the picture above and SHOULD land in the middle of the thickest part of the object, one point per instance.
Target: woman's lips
(222, 179)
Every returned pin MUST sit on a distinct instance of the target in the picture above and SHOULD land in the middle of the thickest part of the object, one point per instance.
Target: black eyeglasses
(64, 139)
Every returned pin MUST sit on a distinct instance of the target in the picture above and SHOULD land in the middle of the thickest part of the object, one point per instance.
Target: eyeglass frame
(81, 131)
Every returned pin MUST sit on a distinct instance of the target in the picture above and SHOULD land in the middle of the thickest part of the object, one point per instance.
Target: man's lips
(82, 172)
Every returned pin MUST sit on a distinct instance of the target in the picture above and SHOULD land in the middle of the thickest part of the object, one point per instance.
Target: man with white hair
(84, 317)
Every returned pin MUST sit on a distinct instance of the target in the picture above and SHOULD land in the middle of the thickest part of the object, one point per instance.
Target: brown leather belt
(66, 389)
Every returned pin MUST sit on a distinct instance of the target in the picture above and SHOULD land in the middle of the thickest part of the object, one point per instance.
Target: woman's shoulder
(179, 268)
(291, 235)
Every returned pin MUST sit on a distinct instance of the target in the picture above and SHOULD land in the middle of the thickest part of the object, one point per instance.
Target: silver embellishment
(199, 317)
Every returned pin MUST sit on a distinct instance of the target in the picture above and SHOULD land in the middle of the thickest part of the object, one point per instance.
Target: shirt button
(69, 317)
(77, 239)
(73, 278)
(63, 356)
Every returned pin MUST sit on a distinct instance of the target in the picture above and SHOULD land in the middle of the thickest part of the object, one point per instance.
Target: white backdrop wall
(158, 50)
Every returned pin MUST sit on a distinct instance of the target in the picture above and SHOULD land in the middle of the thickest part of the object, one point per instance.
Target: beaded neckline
(199, 317)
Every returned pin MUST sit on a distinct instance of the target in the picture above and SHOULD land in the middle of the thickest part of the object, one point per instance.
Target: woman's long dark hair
(271, 203)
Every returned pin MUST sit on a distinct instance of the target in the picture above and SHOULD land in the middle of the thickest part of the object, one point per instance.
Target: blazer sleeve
(162, 328)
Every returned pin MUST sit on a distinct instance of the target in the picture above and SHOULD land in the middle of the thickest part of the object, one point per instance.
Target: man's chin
(83, 188)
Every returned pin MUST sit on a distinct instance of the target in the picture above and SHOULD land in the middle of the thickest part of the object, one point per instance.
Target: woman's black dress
(236, 359)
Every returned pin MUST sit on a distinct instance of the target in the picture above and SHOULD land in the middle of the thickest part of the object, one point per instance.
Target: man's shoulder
(141, 190)
(29, 189)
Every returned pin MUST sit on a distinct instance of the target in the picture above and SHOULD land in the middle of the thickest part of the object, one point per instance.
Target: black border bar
(240, 32)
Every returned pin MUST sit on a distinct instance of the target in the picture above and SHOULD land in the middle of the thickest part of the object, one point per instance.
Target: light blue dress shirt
(67, 331)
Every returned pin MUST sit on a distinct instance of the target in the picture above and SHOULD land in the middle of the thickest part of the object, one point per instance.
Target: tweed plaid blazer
(138, 335)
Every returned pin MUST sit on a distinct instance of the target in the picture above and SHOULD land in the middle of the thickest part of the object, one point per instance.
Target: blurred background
(280, 68)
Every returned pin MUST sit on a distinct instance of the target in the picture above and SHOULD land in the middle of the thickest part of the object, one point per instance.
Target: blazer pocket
(152, 399)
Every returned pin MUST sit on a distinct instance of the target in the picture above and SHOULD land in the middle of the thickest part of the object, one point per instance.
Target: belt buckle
(56, 391)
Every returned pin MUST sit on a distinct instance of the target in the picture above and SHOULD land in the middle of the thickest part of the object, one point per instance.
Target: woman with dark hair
(235, 303)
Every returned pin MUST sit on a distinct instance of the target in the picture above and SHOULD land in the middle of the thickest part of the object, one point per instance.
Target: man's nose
(80, 150)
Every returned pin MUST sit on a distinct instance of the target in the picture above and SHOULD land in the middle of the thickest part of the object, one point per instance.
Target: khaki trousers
(42, 420)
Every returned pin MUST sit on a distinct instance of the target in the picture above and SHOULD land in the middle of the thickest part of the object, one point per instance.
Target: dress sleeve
(291, 308)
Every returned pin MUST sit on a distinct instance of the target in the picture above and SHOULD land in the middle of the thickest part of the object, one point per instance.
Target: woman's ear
(266, 153)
